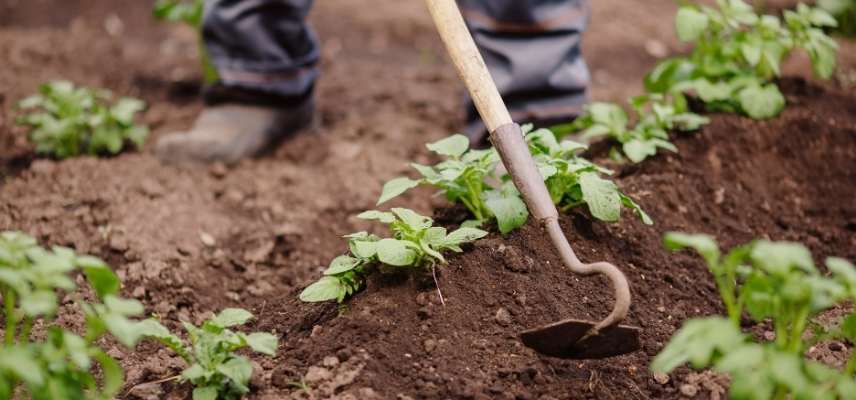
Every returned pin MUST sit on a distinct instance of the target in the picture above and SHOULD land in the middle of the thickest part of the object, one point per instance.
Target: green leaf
(126, 307)
(848, 328)
(508, 208)
(205, 393)
(602, 197)
(413, 219)
(151, 328)
(364, 249)
(396, 187)
(705, 245)
(112, 374)
(40, 302)
(464, 235)
(326, 288)
(77, 350)
(638, 150)
(395, 252)
(342, 264)
(232, 317)
(19, 362)
(690, 23)
(123, 329)
(844, 271)
(637, 209)
(761, 102)
(262, 342)
(383, 217)
(239, 371)
(779, 258)
(193, 372)
(699, 342)
(103, 280)
(452, 146)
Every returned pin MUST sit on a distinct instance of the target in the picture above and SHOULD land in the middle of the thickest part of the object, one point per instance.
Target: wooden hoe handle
(508, 140)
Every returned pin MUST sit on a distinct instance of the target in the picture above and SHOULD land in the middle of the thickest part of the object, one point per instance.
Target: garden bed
(277, 221)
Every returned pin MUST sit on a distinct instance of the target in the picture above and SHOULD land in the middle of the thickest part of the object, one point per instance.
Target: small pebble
(330, 361)
(661, 378)
(689, 390)
(207, 239)
(430, 345)
(503, 317)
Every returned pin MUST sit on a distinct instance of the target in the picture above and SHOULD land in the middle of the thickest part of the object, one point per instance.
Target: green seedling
(463, 178)
(66, 121)
(574, 181)
(214, 370)
(189, 12)
(57, 363)
(415, 245)
(769, 281)
(656, 116)
(844, 12)
(737, 53)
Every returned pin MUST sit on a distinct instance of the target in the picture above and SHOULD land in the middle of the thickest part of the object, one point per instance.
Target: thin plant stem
(11, 318)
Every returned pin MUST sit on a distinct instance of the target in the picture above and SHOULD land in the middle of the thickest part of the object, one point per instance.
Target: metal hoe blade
(565, 339)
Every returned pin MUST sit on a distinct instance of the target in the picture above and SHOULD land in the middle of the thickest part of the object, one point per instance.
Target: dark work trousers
(532, 48)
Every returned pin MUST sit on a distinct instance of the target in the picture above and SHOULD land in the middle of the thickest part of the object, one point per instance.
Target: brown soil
(387, 90)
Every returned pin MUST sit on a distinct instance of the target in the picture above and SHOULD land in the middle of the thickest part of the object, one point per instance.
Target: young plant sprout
(214, 370)
(468, 176)
(768, 281)
(415, 245)
(737, 54)
(189, 12)
(56, 363)
(573, 181)
(66, 121)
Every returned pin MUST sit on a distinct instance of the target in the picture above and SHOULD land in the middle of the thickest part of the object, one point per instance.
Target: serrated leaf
(395, 188)
(232, 317)
(452, 146)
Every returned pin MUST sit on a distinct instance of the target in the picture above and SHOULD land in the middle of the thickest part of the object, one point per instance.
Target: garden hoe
(570, 338)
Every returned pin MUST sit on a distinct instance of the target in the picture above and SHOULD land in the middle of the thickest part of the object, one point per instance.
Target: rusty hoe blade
(569, 338)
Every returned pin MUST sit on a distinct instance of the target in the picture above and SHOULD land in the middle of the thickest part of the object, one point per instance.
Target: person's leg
(532, 48)
(265, 55)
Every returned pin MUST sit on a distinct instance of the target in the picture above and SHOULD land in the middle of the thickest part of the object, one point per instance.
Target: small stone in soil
(330, 361)
(689, 390)
(430, 345)
(317, 374)
(661, 378)
(207, 239)
(503, 317)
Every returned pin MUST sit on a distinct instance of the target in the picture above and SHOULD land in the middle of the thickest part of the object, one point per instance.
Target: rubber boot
(229, 133)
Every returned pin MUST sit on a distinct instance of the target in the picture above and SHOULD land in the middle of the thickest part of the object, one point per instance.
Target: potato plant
(573, 181)
(656, 116)
(768, 281)
(469, 177)
(738, 53)
(416, 245)
(844, 12)
(214, 370)
(54, 362)
(189, 12)
(66, 121)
